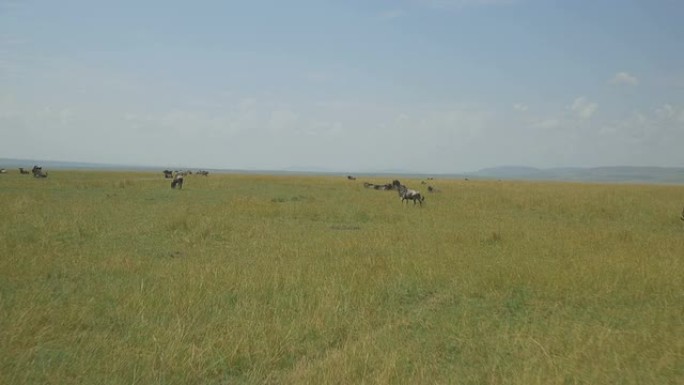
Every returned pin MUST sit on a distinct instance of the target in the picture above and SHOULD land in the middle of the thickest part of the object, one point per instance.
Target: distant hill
(617, 174)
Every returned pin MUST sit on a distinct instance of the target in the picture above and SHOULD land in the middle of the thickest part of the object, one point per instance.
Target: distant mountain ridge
(618, 174)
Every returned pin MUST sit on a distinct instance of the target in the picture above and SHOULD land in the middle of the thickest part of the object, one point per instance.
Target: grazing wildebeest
(168, 174)
(177, 181)
(413, 195)
(38, 172)
(407, 194)
(22, 171)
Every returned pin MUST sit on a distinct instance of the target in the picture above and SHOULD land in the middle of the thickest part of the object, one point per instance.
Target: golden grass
(112, 278)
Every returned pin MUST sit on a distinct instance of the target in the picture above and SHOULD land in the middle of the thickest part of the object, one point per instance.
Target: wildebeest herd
(406, 194)
(37, 172)
(178, 176)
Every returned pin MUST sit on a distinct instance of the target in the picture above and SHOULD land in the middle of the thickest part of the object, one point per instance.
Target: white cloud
(520, 107)
(583, 108)
(668, 112)
(652, 137)
(624, 78)
(547, 124)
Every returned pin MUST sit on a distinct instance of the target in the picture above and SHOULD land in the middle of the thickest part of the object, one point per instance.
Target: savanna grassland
(114, 278)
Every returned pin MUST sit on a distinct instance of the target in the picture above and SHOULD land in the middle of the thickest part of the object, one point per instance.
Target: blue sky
(413, 85)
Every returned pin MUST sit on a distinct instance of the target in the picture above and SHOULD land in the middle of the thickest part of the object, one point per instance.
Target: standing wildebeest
(168, 174)
(203, 172)
(3, 171)
(22, 171)
(407, 194)
(351, 177)
(177, 181)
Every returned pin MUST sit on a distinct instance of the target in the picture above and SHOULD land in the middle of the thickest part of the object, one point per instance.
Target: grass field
(114, 278)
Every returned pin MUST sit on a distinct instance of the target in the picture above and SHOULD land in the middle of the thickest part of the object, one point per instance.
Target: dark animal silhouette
(177, 182)
(22, 171)
(168, 174)
(203, 172)
(682, 217)
(38, 172)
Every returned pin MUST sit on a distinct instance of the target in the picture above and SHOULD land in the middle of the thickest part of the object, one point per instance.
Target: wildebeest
(22, 171)
(3, 171)
(177, 181)
(168, 174)
(350, 177)
(203, 172)
(682, 217)
(38, 172)
(407, 194)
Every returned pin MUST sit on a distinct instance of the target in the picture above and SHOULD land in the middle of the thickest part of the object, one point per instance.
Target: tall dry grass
(114, 278)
